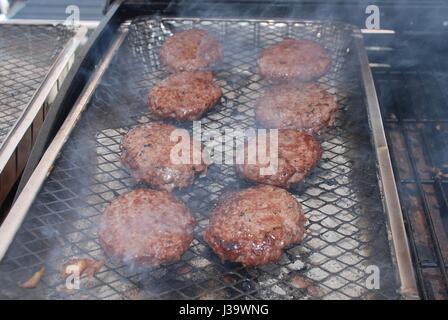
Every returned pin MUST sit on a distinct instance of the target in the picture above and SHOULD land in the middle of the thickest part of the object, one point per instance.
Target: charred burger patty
(253, 226)
(291, 59)
(303, 107)
(190, 50)
(298, 153)
(184, 96)
(146, 227)
(146, 151)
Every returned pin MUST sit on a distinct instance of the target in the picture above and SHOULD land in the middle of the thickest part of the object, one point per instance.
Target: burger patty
(304, 107)
(298, 153)
(184, 96)
(253, 226)
(190, 50)
(291, 59)
(146, 227)
(146, 151)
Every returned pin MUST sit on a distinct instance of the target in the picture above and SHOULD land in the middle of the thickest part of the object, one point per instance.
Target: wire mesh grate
(27, 53)
(346, 223)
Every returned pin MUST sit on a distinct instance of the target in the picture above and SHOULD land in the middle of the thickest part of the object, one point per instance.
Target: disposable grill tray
(346, 226)
(27, 53)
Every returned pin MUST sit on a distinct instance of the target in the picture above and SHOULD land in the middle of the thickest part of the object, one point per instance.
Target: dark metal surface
(346, 223)
(27, 53)
(412, 93)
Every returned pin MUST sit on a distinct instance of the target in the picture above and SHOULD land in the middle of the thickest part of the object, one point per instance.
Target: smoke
(91, 155)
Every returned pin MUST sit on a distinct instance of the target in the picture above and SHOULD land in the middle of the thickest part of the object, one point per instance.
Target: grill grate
(346, 227)
(413, 100)
(27, 53)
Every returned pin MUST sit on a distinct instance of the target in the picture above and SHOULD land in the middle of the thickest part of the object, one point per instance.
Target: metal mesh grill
(27, 53)
(346, 224)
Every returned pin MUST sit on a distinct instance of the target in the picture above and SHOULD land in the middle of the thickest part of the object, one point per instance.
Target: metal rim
(391, 201)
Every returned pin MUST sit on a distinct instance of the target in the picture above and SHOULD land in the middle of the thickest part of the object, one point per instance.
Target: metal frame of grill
(114, 38)
(31, 78)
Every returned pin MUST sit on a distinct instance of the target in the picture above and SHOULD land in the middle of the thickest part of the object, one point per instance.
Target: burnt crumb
(84, 266)
(34, 280)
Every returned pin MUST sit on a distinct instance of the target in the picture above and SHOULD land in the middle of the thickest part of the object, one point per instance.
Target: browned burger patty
(184, 96)
(298, 153)
(146, 227)
(146, 151)
(254, 225)
(304, 107)
(291, 59)
(190, 50)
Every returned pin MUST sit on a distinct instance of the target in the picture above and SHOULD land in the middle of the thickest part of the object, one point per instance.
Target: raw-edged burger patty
(190, 50)
(306, 107)
(184, 96)
(291, 59)
(253, 226)
(146, 151)
(297, 154)
(146, 227)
